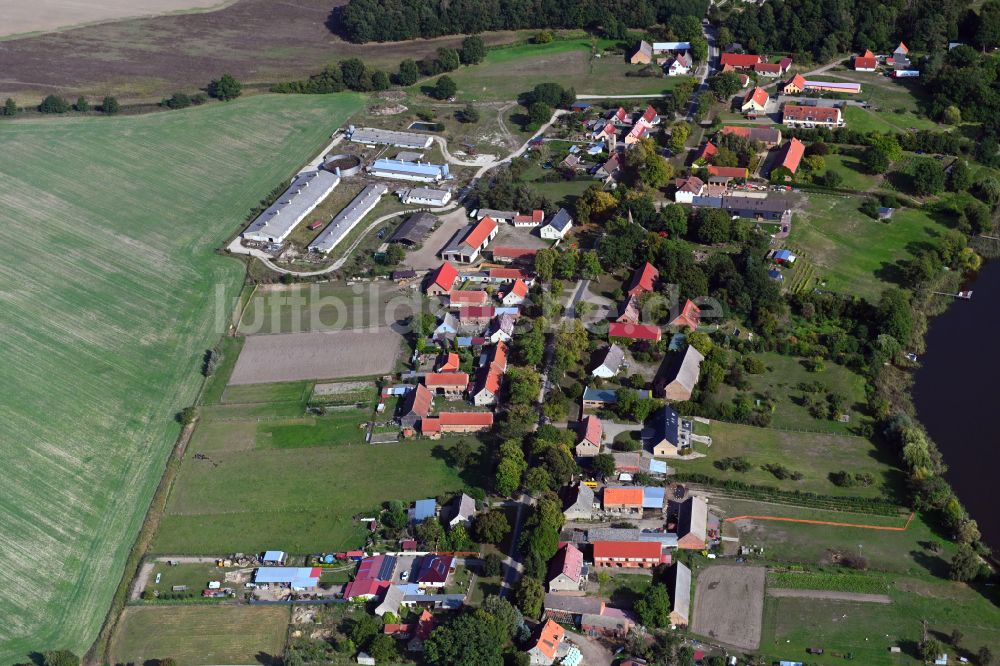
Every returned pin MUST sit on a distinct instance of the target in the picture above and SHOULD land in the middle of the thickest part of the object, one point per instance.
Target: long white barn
(348, 218)
(305, 193)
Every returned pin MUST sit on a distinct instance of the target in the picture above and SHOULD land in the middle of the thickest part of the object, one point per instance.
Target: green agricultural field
(867, 630)
(813, 455)
(201, 634)
(110, 303)
(851, 252)
(782, 379)
(336, 428)
(508, 72)
(834, 582)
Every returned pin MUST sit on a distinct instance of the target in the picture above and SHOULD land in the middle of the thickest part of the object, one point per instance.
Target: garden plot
(335, 355)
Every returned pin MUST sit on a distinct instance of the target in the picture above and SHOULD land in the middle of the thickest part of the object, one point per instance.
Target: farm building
(297, 578)
(498, 215)
(791, 156)
(628, 311)
(643, 54)
(424, 196)
(416, 406)
(403, 170)
(578, 502)
(414, 230)
(622, 499)
(689, 521)
(458, 298)
(448, 384)
(465, 246)
(832, 86)
(679, 588)
(728, 173)
(442, 280)
(689, 316)
(681, 373)
(274, 558)
(867, 62)
(566, 570)
(279, 219)
(506, 254)
(614, 357)
(643, 280)
(611, 622)
(591, 435)
(460, 422)
(461, 511)
(644, 332)
(423, 510)
(769, 136)
(371, 136)
(529, 220)
(740, 60)
(348, 218)
(670, 436)
(557, 226)
(628, 554)
(594, 398)
(373, 577)
(665, 539)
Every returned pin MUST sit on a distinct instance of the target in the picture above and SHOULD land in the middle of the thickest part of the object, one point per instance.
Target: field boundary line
(831, 523)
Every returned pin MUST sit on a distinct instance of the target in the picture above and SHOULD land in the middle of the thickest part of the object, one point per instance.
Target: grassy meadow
(109, 303)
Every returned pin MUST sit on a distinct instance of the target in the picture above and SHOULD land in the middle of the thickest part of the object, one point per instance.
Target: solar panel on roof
(388, 565)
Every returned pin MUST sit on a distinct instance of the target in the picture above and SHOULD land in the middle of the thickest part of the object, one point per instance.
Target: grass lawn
(623, 589)
(782, 379)
(867, 630)
(868, 120)
(851, 170)
(296, 392)
(115, 255)
(301, 498)
(337, 428)
(814, 455)
(195, 576)
(916, 551)
(200, 634)
(510, 71)
(852, 253)
(229, 349)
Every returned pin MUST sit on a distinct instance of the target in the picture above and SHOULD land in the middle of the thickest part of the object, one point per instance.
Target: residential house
(627, 554)
(466, 245)
(557, 226)
(619, 115)
(529, 221)
(679, 588)
(688, 188)
(459, 298)
(689, 316)
(794, 115)
(434, 571)
(447, 384)
(769, 136)
(450, 362)
(689, 521)
(680, 65)
(705, 154)
(543, 653)
(794, 85)
(643, 54)
(441, 280)
(769, 69)
(740, 60)
(791, 155)
(610, 169)
(637, 132)
(755, 101)
(648, 117)
(605, 130)
(614, 357)
(425, 626)
(644, 332)
(571, 161)
(643, 280)
(628, 311)
(867, 62)
(487, 387)
(476, 317)
(670, 437)
(416, 406)
(501, 329)
(516, 294)
(625, 500)
(578, 502)
(591, 435)
(682, 373)
(566, 570)
(447, 328)
(901, 54)
(462, 510)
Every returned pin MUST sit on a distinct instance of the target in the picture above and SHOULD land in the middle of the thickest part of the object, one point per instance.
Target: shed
(424, 509)
(275, 557)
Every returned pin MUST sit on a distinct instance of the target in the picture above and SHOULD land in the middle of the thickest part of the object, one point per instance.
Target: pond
(424, 127)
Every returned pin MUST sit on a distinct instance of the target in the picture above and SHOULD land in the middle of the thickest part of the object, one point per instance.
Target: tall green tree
(225, 88)
(10, 108)
(473, 50)
(109, 105)
(408, 73)
(445, 88)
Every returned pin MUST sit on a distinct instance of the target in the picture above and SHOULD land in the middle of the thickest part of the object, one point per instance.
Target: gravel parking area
(729, 605)
(426, 257)
(317, 355)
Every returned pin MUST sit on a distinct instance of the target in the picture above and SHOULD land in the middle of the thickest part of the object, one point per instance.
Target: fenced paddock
(335, 355)
(729, 605)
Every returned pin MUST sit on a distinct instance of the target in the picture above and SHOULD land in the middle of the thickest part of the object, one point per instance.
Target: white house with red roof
(546, 648)
(566, 570)
(637, 132)
(649, 117)
(434, 571)
(516, 294)
(680, 65)
(643, 280)
(530, 220)
(591, 435)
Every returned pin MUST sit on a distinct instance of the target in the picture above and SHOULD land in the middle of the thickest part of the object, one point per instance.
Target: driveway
(426, 257)
(594, 652)
(613, 429)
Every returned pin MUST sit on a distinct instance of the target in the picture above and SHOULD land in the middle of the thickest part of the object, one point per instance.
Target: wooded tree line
(396, 20)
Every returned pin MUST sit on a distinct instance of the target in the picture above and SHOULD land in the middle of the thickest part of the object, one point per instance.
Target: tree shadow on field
(335, 21)
(267, 659)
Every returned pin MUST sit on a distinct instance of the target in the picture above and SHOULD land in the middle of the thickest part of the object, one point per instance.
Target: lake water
(957, 395)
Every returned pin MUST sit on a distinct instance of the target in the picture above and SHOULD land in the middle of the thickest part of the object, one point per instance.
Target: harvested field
(109, 305)
(729, 605)
(293, 356)
(426, 257)
(827, 595)
(199, 634)
(147, 59)
(22, 17)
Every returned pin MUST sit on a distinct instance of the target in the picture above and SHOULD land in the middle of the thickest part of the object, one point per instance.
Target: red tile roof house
(769, 136)
(794, 85)
(643, 280)
(448, 384)
(369, 581)
(476, 316)
(728, 172)
(475, 241)
(435, 571)
(619, 115)
(487, 388)
(628, 554)
(543, 653)
(689, 317)
(770, 70)
(532, 220)
(456, 422)
(643, 332)
(449, 363)
(460, 297)
(867, 62)
(740, 60)
(591, 434)
(686, 189)
(622, 500)
(706, 153)
(506, 254)
(442, 280)
(425, 625)
(510, 275)
(517, 293)
(791, 156)
(755, 101)
(566, 570)
(635, 134)
(416, 406)
(648, 117)
(794, 115)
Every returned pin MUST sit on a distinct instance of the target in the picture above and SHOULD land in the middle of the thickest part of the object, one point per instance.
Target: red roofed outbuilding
(627, 554)
(442, 280)
(740, 60)
(643, 280)
(792, 155)
(634, 331)
(689, 317)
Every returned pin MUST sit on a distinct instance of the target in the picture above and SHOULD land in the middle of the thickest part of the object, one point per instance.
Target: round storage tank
(349, 165)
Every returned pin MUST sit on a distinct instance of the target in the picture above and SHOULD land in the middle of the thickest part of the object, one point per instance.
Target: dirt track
(729, 605)
(294, 356)
(827, 595)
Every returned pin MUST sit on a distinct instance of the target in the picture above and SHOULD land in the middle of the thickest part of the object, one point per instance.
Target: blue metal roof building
(297, 577)
(277, 556)
(424, 509)
(653, 497)
(402, 170)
